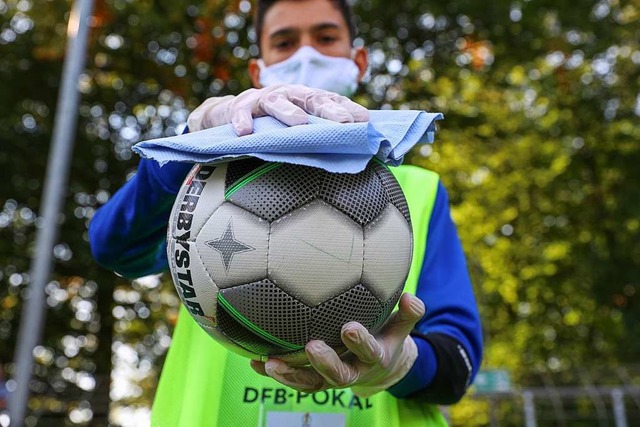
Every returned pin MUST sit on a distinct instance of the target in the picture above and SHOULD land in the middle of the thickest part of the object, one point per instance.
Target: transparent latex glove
(375, 363)
(288, 103)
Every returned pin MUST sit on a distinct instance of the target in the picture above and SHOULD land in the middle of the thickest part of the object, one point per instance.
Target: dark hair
(262, 6)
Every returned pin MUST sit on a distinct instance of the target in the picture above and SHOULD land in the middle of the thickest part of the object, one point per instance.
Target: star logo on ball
(228, 246)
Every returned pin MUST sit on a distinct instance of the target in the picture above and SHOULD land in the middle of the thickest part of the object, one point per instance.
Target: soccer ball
(269, 256)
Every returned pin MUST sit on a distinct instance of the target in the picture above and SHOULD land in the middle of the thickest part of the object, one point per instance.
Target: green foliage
(539, 151)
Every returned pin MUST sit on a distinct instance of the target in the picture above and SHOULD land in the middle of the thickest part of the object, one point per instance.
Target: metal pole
(34, 310)
(529, 409)
(617, 400)
(493, 416)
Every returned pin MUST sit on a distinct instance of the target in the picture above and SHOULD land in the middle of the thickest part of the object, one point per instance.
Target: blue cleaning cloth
(335, 147)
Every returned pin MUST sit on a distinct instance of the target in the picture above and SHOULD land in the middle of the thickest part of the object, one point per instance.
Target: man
(392, 379)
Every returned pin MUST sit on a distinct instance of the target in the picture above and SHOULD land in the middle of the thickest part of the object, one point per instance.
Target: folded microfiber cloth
(335, 147)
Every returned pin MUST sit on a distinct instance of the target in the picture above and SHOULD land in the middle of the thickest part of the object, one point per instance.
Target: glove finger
(364, 391)
(277, 105)
(328, 364)
(324, 104)
(242, 122)
(410, 311)
(259, 367)
(361, 343)
(302, 379)
(359, 113)
(210, 113)
(333, 111)
(317, 102)
(342, 106)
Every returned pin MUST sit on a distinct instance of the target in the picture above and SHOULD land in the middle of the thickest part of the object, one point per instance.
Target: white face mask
(311, 68)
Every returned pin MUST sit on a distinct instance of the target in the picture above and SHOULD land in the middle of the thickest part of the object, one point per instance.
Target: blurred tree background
(539, 149)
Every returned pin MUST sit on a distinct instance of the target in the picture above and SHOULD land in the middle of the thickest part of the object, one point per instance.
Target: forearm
(128, 233)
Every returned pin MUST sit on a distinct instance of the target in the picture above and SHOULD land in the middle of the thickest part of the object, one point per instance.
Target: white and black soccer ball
(269, 256)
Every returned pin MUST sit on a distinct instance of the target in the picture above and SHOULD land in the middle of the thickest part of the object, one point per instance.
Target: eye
(327, 39)
(284, 43)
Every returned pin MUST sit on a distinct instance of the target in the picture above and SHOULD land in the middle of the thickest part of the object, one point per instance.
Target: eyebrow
(289, 31)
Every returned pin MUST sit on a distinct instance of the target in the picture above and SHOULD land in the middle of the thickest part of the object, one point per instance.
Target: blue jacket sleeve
(452, 315)
(128, 234)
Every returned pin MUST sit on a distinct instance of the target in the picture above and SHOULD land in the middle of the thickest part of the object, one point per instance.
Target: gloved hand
(287, 103)
(376, 363)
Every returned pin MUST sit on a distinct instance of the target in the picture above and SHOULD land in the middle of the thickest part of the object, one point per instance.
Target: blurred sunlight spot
(426, 150)
(5, 220)
(84, 83)
(575, 60)
(426, 21)
(20, 23)
(601, 66)
(63, 252)
(515, 14)
(555, 59)
(601, 10)
(114, 41)
(165, 341)
(149, 282)
(43, 355)
(28, 122)
(118, 312)
(233, 21)
(524, 309)
(507, 230)
(245, 6)
(130, 416)
(479, 175)
(377, 57)
(554, 363)
(86, 381)
(394, 66)
(15, 279)
(81, 415)
(180, 71)
(7, 36)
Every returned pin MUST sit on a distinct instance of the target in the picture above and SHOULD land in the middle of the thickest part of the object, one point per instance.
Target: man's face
(290, 24)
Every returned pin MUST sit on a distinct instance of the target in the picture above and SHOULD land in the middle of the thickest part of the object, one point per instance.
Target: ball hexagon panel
(271, 310)
(277, 189)
(387, 309)
(238, 170)
(315, 253)
(360, 196)
(388, 246)
(251, 350)
(233, 246)
(356, 304)
(244, 337)
(199, 196)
